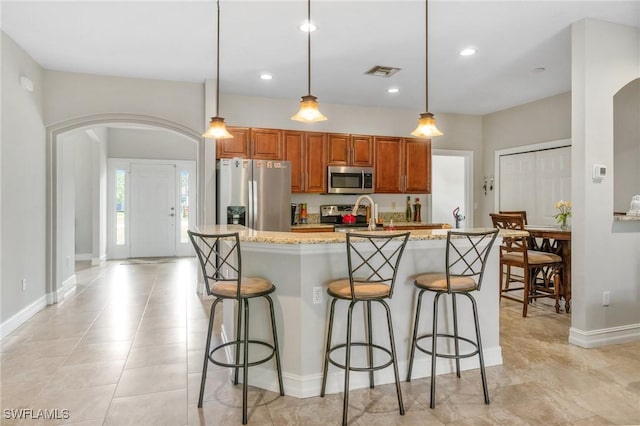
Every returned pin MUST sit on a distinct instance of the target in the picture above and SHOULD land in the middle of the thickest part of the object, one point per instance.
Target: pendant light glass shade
(426, 127)
(217, 128)
(426, 123)
(309, 111)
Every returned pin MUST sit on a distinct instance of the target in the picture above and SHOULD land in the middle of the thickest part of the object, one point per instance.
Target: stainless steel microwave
(349, 180)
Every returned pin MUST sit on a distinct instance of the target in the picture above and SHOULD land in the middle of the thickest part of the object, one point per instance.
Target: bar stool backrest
(374, 258)
(467, 253)
(522, 213)
(512, 244)
(219, 256)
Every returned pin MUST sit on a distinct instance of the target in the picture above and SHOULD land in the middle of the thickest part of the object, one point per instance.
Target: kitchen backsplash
(391, 206)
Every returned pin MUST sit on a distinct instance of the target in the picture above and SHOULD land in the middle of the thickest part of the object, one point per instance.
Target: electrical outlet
(317, 295)
(605, 298)
(24, 284)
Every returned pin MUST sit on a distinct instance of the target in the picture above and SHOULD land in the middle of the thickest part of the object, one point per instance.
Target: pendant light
(217, 128)
(426, 123)
(309, 112)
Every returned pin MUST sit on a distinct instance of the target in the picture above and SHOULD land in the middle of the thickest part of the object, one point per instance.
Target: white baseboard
(264, 376)
(83, 256)
(69, 284)
(22, 316)
(604, 336)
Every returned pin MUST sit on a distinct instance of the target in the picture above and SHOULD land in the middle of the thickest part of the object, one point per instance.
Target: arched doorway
(55, 287)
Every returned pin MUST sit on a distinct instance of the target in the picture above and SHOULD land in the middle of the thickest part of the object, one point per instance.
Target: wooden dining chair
(540, 270)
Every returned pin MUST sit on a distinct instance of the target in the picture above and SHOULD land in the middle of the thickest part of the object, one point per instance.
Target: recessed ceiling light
(307, 27)
(468, 51)
(393, 90)
(266, 76)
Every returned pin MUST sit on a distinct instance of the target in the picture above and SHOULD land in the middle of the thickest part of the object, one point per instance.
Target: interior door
(153, 210)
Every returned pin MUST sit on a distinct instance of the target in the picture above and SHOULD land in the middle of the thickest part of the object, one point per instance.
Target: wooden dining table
(552, 239)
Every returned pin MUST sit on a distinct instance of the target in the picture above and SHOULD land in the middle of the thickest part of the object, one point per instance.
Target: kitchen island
(298, 263)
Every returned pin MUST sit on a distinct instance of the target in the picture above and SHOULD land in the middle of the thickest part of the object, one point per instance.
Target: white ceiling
(176, 41)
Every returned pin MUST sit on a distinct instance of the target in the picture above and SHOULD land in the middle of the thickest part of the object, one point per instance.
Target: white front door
(153, 210)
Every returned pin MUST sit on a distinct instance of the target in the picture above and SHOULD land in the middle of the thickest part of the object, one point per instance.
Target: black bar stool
(373, 261)
(466, 256)
(221, 262)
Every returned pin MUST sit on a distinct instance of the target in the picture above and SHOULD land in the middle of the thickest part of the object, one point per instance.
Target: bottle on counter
(407, 215)
(391, 226)
(303, 213)
(416, 210)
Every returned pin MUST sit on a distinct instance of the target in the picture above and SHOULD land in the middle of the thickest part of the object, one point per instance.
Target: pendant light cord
(426, 54)
(218, 61)
(309, 47)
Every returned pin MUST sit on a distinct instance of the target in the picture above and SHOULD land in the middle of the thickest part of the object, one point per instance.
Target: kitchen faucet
(372, 218)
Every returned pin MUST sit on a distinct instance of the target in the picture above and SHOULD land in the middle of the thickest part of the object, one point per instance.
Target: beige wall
(23, 195)
(605, 254)
(544, 120)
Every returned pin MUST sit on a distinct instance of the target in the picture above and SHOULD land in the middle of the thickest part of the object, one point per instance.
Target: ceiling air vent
(382, 71)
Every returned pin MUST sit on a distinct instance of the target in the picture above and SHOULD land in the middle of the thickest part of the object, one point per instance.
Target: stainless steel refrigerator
(254, 193)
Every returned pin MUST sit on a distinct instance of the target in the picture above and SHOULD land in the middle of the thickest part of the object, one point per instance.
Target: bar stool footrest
(372, 368)
(448, 336)
(240, 343)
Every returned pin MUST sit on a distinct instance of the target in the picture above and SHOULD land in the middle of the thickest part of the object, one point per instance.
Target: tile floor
(126, 349)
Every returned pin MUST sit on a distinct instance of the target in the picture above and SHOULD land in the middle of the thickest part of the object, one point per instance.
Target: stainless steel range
(333, 213)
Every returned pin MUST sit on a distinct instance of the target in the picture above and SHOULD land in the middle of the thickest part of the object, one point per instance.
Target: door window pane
(184, 206)
(120, 207)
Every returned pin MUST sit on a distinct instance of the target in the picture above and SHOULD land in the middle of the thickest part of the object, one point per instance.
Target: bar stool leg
(369, 343)
(455, 333)
(238, 340)
(480, 355)
(206, 352)
(556, 288)
(526, 289)
(275, 344)
(327, 348)
(415, 335)
(345, 406)
(245, 362)
(395, 359)
(434, 349)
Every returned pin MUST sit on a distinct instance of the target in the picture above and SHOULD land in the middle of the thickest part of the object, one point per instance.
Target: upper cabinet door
(338, 149)
(350, 150)
(417, 166)
(238, 147)
(316, 162)
(389, 173)
(294, 152)
(362, 151)
(266, 144)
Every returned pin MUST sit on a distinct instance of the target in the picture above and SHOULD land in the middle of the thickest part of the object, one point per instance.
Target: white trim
(604, 336)
(69, 284)
(519, 150)
(83, 256)
(264, 376)
(22, 316)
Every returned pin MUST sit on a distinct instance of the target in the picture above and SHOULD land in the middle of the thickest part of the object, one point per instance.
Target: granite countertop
(330, 225)
(252, 236)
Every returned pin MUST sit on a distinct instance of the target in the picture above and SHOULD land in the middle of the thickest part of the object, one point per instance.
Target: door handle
(172, 215)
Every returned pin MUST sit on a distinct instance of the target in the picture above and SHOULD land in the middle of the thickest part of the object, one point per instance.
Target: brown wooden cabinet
(266, 144)
(350, 150)
(238, 147)
(402, 165)
(259, 144)
(307, 152)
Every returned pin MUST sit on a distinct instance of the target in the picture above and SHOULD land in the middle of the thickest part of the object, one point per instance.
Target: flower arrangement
(565, 212)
